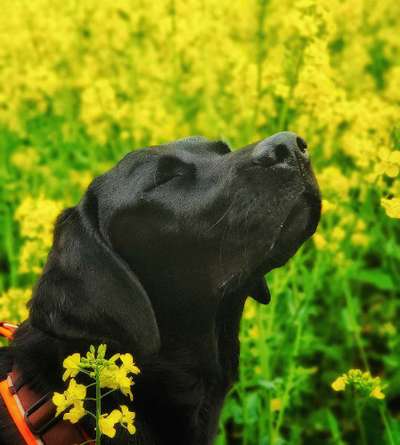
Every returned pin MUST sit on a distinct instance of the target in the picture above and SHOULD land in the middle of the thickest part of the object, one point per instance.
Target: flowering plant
(362, 382)
(364, 387)
(114, 374)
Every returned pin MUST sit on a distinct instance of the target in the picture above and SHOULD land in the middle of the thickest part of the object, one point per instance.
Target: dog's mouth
(299, 225)
(301, 222)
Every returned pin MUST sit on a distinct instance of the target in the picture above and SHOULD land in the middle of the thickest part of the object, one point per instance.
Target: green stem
(89, 373)
(266, 364)
(98, 407)
(359, 421)
(263, 348)
(92, 415)
(358, 340)
(292, 365)
(382, 411)
(289, 382)
(355, 327)
(107, 393)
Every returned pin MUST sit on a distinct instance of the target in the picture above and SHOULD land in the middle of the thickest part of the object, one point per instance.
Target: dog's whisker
(245, 256)
(224, 214)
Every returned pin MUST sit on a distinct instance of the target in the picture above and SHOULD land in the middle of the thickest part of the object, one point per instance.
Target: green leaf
(252, 404)
(375, 277)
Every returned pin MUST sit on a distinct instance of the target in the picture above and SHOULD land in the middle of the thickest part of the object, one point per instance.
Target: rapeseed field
(84, 82)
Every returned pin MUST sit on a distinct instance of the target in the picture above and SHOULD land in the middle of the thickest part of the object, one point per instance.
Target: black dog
(157, 260)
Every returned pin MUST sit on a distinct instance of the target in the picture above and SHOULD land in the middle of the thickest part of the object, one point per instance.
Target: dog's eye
(169, 168)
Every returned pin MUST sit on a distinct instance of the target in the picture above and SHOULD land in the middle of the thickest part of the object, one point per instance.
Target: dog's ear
(260, 291)
(87, 292)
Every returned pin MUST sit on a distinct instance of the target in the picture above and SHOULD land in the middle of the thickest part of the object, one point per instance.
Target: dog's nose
(280, 148)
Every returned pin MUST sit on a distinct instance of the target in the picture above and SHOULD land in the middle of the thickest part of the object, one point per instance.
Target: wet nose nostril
(280, 148)
(301, 143)
(281, 152)
(272, 154)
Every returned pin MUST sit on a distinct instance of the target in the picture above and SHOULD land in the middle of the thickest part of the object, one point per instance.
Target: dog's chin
(300, 224)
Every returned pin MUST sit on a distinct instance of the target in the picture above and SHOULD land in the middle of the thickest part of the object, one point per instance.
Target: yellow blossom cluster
(81, 179)
(25, 159)
(361, 381)
(107, 373)
(13, 305)
(36, 218)
(122, 416)
(144, 74)
(392, 207)
(73, 396)
(355, 232)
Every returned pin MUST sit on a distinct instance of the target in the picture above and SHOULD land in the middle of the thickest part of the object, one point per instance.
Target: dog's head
(158, 240)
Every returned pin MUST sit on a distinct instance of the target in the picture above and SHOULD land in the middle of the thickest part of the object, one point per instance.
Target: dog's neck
(184, 377)
(205, 333)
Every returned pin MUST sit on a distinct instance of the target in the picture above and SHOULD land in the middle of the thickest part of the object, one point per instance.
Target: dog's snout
(271, 154)
(280, 148)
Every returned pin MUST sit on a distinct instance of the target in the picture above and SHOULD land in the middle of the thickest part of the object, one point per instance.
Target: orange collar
(7, 330)
(16, 412)
(33, 415)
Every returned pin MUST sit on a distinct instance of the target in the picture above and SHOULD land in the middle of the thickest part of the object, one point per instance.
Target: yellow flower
(388, 329)
(395, 157)
(25, 159)
(107, 377)
(254, 332)
(333, 181)
(111, 376)
(392, 207)
(127, 418)
(61, 402)
(76, 412)
(115, 377)
(338, 233)
(276, 404)
(123, 382)
(71, 365)
(388, 169)
(249, 310)
(359, 239)
(339, 384)
(319, 241)
(74, 393)
(36, 216)
(107, 422)
(128, 364)
(389, 163)
(81, 178)
(13, 304)
(360, 381)
(327, 206)
(377, 393)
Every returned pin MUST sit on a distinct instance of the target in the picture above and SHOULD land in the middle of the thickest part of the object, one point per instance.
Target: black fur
(157, 260)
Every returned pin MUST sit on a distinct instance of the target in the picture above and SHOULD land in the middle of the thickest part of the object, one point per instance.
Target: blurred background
(84, 82)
